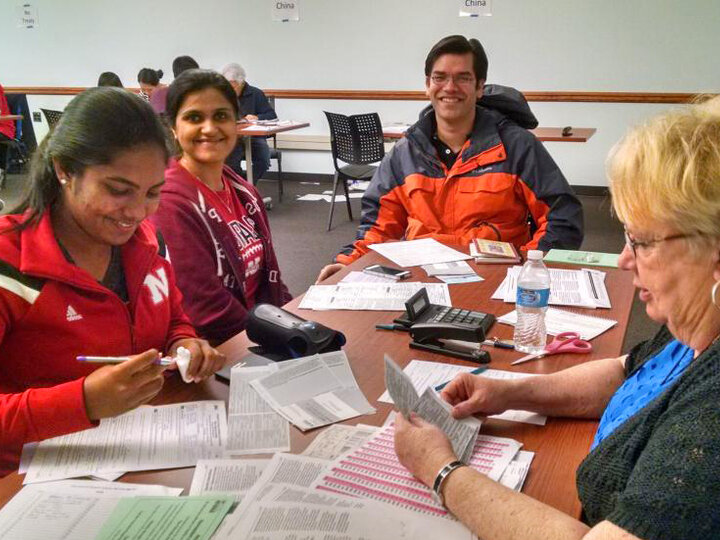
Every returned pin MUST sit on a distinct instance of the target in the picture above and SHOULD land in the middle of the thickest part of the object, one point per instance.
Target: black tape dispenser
(282, 335)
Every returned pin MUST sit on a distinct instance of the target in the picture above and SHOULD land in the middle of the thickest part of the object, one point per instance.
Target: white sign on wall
(475, 8)
(285, 10)
(27, 16)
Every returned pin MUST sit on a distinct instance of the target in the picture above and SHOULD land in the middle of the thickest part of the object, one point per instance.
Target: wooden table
(560, 445)
(546, 134)
(262, 130)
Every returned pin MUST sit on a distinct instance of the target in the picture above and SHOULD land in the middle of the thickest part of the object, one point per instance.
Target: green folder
(583, 258)
(166, 518)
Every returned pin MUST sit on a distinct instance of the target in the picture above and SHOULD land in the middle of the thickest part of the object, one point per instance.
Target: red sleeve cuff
(58, 410)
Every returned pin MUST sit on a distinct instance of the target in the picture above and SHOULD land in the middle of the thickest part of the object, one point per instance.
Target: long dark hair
(195, 80)
(108, 78)
(95, 127)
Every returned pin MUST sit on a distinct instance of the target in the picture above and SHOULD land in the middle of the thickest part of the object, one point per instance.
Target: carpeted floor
(303, 246)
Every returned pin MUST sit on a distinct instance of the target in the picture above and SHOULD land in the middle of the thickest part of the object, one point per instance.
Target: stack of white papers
(371, 296)
(452, 272)
(253, 426)
(282, 506)
(462, 433)
(226, 476)
(426, 375)
(336, 440)
(418, 252)
(558, 321)
(578, 288)
(314, 391)
(146, 438)
(68, 509)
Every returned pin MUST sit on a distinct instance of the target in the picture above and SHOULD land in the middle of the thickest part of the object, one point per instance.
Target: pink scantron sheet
(373, 471)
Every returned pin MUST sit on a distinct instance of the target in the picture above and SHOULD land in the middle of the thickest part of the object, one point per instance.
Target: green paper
(171, 518)
(583, 258)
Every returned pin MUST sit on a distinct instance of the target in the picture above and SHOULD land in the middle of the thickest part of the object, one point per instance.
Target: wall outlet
(36, 116)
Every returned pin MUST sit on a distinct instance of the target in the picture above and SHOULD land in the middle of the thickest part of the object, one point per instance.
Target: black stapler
(433, 337)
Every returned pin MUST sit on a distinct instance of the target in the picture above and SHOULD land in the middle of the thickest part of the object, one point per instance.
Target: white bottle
(533, 292)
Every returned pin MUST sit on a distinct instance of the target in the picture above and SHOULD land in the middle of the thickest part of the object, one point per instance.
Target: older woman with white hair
(254, 106)
(652, 471)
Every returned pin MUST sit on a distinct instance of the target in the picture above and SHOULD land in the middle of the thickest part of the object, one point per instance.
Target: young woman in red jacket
(81, 274)
(213, 221)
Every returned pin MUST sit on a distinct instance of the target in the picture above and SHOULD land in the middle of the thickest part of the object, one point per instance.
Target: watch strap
(440, 480)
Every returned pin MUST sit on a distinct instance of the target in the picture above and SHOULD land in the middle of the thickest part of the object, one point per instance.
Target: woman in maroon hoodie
(213, 221)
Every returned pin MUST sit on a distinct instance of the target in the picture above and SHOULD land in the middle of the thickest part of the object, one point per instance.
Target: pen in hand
(118, 360)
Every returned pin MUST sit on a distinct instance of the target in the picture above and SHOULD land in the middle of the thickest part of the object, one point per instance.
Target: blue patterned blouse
(648, 382)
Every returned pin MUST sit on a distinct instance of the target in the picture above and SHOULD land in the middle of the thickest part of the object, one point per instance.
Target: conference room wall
(582, 163)
(640, 46)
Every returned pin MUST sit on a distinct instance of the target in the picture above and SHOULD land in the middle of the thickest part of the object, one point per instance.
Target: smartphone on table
(386, 271)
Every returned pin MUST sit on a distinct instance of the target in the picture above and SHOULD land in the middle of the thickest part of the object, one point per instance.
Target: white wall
(616, 45)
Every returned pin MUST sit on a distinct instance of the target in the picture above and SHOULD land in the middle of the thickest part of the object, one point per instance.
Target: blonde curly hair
(667, 172)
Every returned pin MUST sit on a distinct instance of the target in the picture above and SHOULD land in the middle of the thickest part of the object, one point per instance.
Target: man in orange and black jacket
(467, 170)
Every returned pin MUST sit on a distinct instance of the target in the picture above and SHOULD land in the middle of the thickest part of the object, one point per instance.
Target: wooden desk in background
(246, 131)
(545, 134)
(560, 445)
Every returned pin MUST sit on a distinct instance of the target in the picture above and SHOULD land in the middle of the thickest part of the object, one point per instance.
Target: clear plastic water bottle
(533, 292)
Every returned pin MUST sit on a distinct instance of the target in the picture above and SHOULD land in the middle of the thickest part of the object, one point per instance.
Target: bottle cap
(535, 255)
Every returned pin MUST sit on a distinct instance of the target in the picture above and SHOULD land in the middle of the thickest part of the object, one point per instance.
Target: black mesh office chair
(51, 117)
(15, 152)
(358, 141)
(277, 155)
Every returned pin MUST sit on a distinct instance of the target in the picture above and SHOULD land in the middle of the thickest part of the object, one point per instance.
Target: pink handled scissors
(565, 342)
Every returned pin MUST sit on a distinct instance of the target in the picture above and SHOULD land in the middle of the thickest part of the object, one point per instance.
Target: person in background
(254, 106)
(158, 99)
(7, 127)
(108, 78)
(213, 221)
(465, 171)
(652, 471)
(81, 274)
(149, 81)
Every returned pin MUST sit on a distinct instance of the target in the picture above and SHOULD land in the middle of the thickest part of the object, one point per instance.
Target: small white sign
(285, 10)
(27, 16)
(475, 8)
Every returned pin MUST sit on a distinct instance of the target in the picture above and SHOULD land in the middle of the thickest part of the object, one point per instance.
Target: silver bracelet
(441, 478)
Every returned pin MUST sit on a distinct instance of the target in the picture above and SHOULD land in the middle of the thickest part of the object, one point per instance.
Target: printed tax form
(371, 296)
(282, 506)
(68, 509)
(314, 391)
(253, 426)
(429, 406)
(148, 437)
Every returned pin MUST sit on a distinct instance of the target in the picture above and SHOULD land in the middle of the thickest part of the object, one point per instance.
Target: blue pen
(473, 372)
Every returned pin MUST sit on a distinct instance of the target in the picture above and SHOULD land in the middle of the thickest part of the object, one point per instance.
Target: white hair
(234, 72)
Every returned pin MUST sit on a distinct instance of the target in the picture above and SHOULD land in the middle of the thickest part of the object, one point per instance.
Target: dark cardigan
(658, 474)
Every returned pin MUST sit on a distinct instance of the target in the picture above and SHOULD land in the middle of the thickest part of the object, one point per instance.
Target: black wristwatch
(440, 480)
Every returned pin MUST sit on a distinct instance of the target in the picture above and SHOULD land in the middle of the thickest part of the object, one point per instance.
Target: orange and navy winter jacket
(51, 311)
(503, 185)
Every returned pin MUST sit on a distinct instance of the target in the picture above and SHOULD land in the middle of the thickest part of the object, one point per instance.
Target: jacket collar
(180, 181)
(40, 253)
(483, 147)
